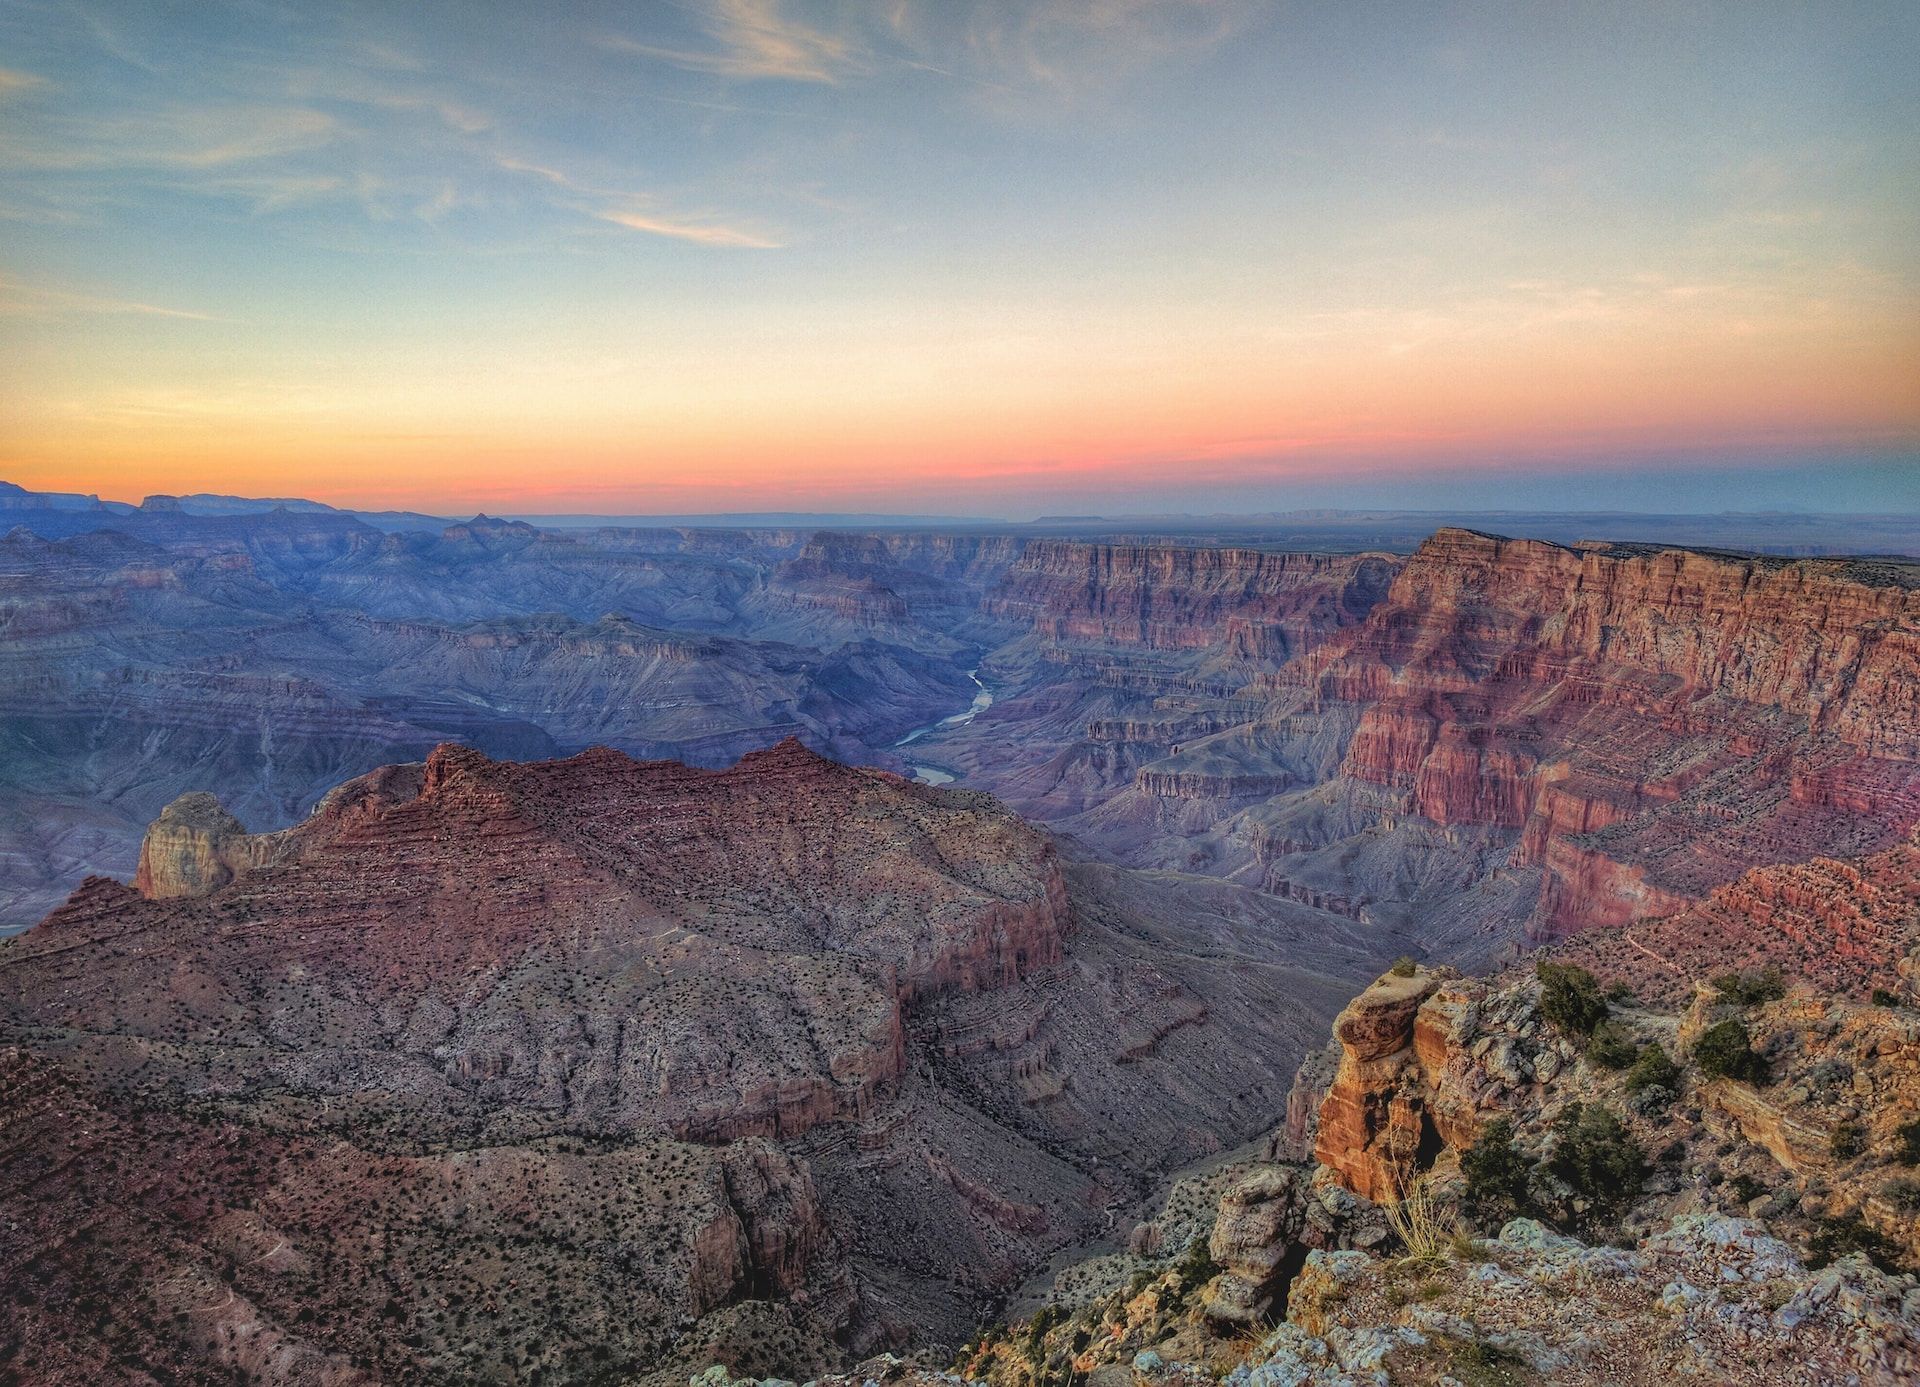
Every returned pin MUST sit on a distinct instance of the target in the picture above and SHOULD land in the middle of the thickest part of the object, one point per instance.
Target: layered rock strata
(605, 1066)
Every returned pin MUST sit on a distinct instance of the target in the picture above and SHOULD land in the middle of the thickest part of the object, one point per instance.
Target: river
(933, 775)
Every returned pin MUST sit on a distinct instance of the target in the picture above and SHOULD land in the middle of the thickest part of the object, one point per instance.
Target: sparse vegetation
(1846, 1141)
(1416, 1222)
(1903, 1194)
(1477, 1363)
(1496, 1171)
(1838, 1236)
(1403, 967)
(1612, 1046)
(1597, 1158)
(1652, 1068)
(1907, 1137)
(1044, 1319)
(1726, 1052)
(1751, 989)
(1570, 998)
(1196, 1267)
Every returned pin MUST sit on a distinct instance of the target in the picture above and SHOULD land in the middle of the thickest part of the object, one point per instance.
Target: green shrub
(1907, 1134)
(1884, 998)
(1903, 1194)
(1836, 1237)
(1196, 1266)
(1726, 1052)
(1404, 967)
(1045, 1318)
(1612, 1046)
(1478, 1364)
(1652, 1068)
(1751, 989)
(1597, 1157)
(1496, 1171)
(1570, 998)
(1847, 1140)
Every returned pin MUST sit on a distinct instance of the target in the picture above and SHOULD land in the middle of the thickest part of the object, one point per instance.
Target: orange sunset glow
(774, 256)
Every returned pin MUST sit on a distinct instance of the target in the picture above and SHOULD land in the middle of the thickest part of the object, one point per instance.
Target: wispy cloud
(1069, 43)
(758, 39)
(19, 299)
(1065, 47)
(181, 137)
(705, 233)
(622, 209)
(16, 83)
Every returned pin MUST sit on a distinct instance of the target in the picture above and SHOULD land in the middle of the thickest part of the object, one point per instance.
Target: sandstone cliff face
(1568, 694)
(1262, 606)
(1598, 733)
(1375, 1129)
(194, 847)
(910, 588)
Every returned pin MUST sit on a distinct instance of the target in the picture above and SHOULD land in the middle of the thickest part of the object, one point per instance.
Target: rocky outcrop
(195, 847)
(1738, 1222)
(1706, 1299)
(1372, 1125)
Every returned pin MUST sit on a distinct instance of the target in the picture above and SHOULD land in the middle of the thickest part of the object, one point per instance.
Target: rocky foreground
(1541, 1177)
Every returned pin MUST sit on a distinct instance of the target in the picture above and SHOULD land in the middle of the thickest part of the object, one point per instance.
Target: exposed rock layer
(779, 1060)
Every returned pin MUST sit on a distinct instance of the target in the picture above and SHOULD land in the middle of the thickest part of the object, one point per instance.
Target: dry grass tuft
(1415, 1220)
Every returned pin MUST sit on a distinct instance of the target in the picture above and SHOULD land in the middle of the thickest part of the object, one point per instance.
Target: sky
(963, 256)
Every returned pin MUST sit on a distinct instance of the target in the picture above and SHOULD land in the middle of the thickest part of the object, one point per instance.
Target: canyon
(1559, 736)
(487, 951)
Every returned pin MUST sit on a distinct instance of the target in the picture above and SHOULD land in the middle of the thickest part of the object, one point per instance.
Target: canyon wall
(1585, 734)
(1251, 604)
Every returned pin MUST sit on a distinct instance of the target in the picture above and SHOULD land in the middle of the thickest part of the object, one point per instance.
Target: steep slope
(1122, 653)
(779, 1058)
(1537, 1177)
(1525, 734)
(1847, 926)
(922, 589)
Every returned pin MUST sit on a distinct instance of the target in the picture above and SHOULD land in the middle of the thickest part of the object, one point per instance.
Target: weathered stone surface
(1526, 739)
(1845, 926)
(194, 847)
(1260, 605)
(779, 1062)
(1373, 1120)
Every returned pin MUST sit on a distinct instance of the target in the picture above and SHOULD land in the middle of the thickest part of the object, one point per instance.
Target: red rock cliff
(1256, 604)
(1652, 721)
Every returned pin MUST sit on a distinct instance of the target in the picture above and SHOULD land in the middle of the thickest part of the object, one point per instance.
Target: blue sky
(745, 254)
